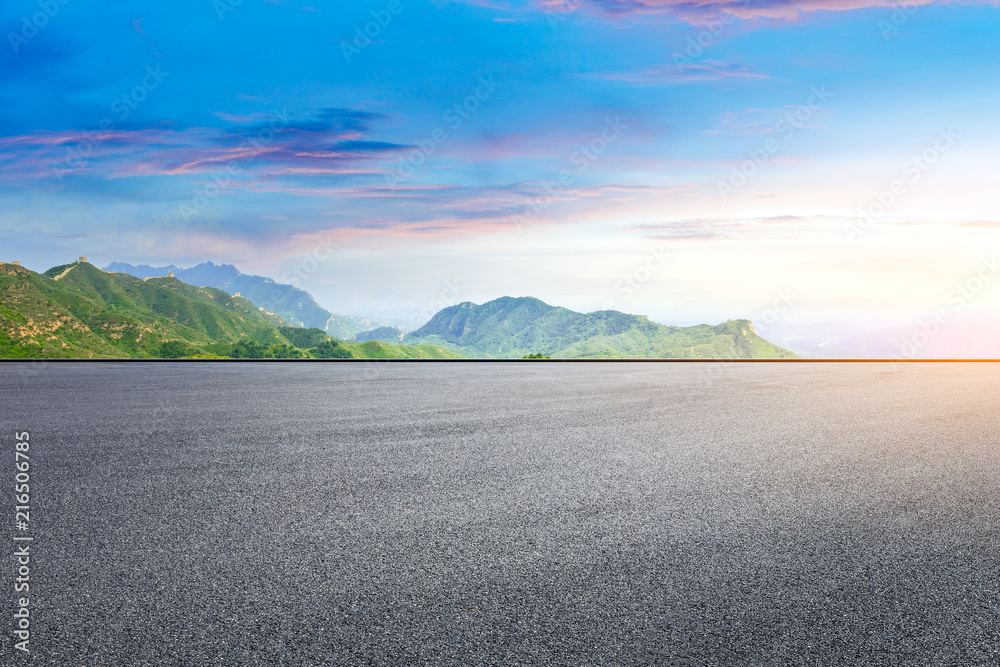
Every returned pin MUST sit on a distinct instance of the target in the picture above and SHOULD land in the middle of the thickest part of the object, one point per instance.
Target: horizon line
(375, 360)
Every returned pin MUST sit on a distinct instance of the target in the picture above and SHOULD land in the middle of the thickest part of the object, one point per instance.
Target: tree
(174, 349)
(330, 349)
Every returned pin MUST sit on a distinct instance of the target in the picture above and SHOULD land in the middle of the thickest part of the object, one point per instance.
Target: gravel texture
(503, 514)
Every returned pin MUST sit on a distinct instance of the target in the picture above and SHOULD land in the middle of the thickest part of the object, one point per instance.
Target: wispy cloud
(705, 229)
(327, 141)
(664, 74)
(752, 121)
(696, 12)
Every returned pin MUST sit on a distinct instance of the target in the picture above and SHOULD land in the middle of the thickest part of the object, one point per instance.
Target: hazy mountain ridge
(295, 305)
(90, 313)
(514, 327)
(79, 311)
(971, 336)
(385, 334)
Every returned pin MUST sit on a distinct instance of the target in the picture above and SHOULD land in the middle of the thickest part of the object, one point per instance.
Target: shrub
(330, 349)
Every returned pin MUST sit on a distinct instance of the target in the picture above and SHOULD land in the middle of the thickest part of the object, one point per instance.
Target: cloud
(320, 121)
(331, 141)
(705, 70)
(381, 215)
(753, 121)
(490, 4)
(705, 229)
(696, 12)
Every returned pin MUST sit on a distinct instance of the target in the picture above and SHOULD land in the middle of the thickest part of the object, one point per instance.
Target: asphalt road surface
(504, 514)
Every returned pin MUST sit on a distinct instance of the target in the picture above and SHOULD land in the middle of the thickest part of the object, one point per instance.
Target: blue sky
(585, 152)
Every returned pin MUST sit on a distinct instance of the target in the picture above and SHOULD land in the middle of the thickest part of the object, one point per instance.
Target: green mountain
(517, 327)
(78, 311)
(384, 334)
(295, 305)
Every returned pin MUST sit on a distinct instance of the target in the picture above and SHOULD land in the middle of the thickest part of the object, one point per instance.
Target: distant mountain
(346, 327)
(515, 327)
(79, 311)
(385, 334)
(970, 336)
(829, 340)
(296, 306)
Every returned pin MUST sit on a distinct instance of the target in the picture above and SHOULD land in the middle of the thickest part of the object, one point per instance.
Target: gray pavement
(504, 514)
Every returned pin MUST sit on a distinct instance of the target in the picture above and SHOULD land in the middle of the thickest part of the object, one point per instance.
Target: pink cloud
(705, 70)
(698, 12)
(331, 141)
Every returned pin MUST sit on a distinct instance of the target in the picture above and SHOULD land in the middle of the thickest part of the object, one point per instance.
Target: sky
(801, 160)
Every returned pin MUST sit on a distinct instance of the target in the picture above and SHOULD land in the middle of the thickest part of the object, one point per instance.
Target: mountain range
(515, 327)
(965, 336)
(79, 311)
(384, 334)
(295, 305)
